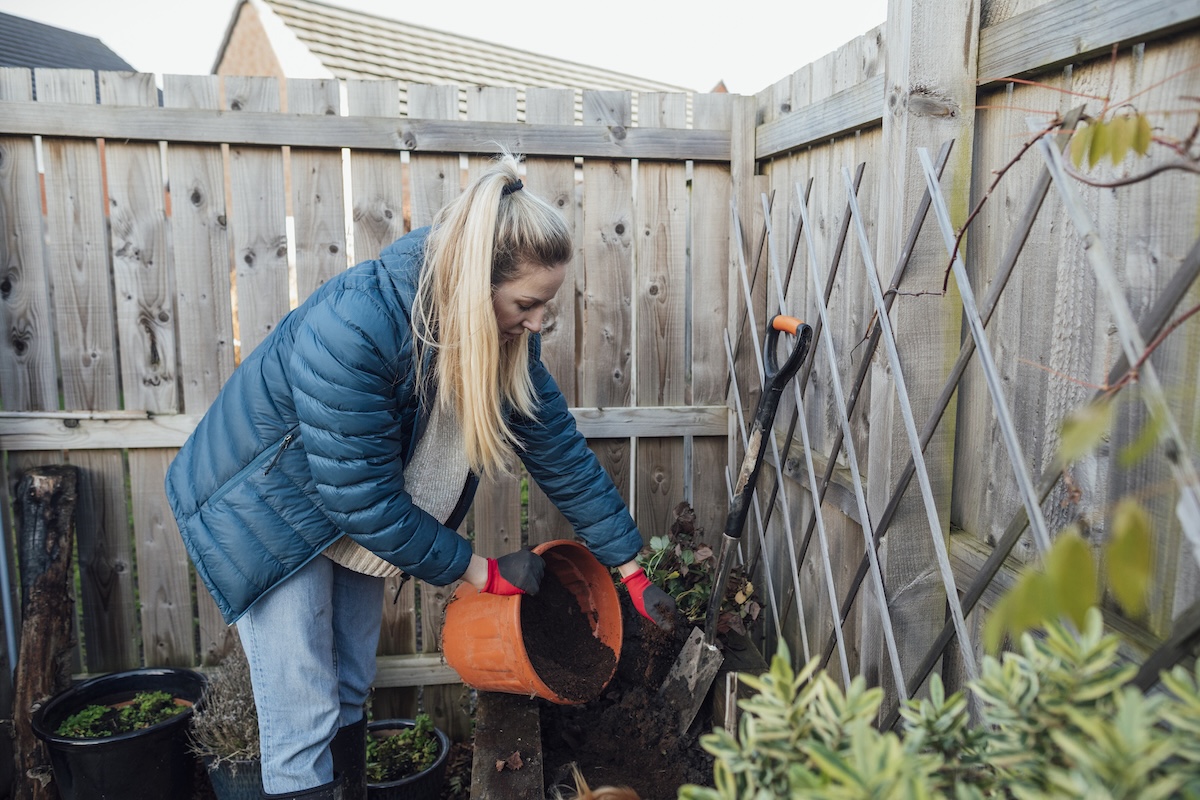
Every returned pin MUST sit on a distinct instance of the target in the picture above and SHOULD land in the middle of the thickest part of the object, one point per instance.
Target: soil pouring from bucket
(560, 644)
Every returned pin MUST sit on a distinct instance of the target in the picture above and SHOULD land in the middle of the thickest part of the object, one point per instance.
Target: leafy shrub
(1059, 719)
(406, 752)
(97, 720)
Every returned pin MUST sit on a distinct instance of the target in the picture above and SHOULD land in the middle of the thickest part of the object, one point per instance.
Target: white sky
(749, 45)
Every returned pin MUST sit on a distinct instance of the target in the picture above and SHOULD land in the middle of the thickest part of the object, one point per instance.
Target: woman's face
(520, 303)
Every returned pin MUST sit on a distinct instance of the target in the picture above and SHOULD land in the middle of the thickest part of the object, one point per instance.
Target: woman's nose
(533, 322)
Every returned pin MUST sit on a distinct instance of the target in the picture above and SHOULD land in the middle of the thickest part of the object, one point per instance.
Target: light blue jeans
(311, 644)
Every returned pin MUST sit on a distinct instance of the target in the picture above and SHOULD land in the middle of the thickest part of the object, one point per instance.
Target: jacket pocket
(264, 462)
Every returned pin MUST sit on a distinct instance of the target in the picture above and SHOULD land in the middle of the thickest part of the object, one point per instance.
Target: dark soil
(626, 737)
(559, 642)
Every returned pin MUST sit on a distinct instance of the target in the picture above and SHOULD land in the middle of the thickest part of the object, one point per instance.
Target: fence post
(929, 98)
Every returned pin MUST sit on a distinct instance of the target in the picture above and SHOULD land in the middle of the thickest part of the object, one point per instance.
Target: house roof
(25, 43)
(355, 45)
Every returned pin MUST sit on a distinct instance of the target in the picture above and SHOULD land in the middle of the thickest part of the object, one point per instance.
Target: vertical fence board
(553, 179)
(606, 343)
(85, 325)
(145, 333)
(710, 302)
(376, 179)
(164, 588)
(942, 64)
(318, 198)
(660, 257)
(204, 312)
(258, 211)
(27, 346)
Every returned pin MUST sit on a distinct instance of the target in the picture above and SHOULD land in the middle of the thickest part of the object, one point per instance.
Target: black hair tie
(509, 188)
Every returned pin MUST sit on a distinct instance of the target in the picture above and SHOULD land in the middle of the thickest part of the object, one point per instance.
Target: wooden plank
(145, 334)
(553, 179)
(26, 349)
(136, 207)
(1075, 30)
(27, 361)
(75, 431)
(376, 179)
(204, 313)
(264, 129)
(660, 316)
(931, 96)
(712, 189)
(85, 327)
(318, 196)
(414, 669)
(258, 224)
(606, 344)
(507, 724)
(164, 581)
(849, 110)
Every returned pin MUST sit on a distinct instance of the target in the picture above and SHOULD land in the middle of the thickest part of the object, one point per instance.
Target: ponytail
(479, 241)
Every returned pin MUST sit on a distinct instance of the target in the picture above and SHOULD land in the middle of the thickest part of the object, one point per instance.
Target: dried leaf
(513, 762)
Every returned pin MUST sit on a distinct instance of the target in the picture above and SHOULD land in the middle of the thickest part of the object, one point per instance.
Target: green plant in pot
(224, 731)
(406, 758)
(122, 735)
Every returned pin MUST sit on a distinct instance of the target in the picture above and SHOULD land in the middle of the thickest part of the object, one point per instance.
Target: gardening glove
(651, 602)
(516, 573)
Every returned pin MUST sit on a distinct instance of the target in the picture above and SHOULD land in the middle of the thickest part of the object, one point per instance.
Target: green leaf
(1128, 556)
(1142, 446)
(1143, 136)
(1084, 429)
(1081, 142)
(1072, 575)
(1101, 143)
(1123, 130)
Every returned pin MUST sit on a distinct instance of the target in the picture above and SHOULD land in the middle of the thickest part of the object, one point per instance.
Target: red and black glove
(516, 573)
(651, 602)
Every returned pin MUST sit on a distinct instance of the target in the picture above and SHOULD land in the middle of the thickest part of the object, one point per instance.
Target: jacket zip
(279, 453)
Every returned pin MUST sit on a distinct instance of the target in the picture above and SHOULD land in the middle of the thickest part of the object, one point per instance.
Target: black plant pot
(235, 780)
(425, 785)
(148, 764)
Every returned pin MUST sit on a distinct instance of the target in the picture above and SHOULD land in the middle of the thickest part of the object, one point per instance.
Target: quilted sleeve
(558, 458)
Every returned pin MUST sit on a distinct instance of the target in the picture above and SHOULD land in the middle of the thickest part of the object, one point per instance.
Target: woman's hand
(516, 573)
(651, 602)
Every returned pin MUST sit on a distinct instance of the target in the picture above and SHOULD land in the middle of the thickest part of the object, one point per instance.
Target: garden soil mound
(625, 737)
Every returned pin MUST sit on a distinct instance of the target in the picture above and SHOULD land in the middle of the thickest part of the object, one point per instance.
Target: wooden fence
(691, 227)
(119, 278)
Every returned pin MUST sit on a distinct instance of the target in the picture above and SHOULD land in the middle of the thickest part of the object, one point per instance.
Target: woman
(346, 447)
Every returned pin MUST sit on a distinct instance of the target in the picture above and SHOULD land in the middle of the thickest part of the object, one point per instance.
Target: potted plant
(122, 735)
(406, 758)
(224, 733)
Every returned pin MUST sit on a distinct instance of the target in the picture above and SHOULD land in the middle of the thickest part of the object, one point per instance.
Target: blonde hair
(481, 240)
(585, 792)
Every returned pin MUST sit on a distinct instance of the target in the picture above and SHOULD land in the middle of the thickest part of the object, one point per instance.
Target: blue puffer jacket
(309, 438)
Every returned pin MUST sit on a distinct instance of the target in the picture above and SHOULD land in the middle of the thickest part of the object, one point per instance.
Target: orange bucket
(482, 638)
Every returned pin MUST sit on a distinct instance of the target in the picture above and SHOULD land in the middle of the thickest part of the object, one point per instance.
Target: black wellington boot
(326, 791)
(349, 749)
